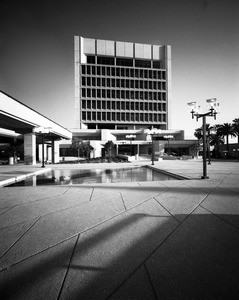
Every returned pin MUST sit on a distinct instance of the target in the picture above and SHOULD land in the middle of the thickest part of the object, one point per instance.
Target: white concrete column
(30, 149)
(40, 152)
(55, 146)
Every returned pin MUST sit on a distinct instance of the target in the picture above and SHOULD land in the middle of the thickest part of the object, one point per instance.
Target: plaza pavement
(176, 239)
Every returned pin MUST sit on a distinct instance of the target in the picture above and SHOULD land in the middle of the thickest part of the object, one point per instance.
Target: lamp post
(130, 137)
(213, 111)
(152, 132)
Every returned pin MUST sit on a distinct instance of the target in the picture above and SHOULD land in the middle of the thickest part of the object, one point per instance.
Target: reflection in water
(61, 177)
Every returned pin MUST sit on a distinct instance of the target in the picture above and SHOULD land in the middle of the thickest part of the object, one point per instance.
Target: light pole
(213, 111)
(152, 132)
(130, 137)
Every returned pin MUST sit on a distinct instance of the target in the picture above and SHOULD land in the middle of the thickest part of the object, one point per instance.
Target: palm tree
(235, 125)
(198, 135)
(216, 139)
(226, 131)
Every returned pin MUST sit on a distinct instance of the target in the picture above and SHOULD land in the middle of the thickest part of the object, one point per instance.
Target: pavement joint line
(123, 201)
(150, 281)
(66, 190)
(79, 233)
(167, 210)
(9, 208)
(20, 236)
(68, 267)
(220, 218)
(92, 193)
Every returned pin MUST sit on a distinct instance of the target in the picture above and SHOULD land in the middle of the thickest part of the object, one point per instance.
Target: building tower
(122, 85)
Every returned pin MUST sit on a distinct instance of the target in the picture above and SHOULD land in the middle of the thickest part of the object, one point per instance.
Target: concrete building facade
(122, 89)
(122, 85)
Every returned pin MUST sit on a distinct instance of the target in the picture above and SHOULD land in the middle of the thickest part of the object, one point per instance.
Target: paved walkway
(175, 239)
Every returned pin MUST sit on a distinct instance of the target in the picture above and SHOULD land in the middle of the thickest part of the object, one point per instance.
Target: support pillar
(30, 149)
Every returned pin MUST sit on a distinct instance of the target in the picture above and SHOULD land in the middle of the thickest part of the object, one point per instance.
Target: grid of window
(112, 93)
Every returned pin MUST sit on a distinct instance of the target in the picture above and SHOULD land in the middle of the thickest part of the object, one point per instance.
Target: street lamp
(42, 131)
(152, 132)
(213, 107)
(130, 137)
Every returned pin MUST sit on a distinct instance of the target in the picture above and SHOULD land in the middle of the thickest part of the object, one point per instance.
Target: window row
(105, 60)
(122, 72)
(123, 105)
(123, 117)
(122, 94)
(123, 83)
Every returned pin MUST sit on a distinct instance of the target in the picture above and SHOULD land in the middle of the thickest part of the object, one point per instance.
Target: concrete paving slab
(135, 195)
(231, 182)
(205, 186)
(225, 203)
(198, 261)
(181, 201)
(43, 207)
(18, 195)
(137, 287)
(107, 255)
(57, 227)
(10, 235)
(39, 277)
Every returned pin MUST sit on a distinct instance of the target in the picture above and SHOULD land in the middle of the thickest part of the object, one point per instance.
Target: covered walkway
(23, 120)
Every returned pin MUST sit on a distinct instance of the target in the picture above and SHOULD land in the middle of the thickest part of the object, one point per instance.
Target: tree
(226, 131)
(216, 139)
(198, 135)
(78, 145)
(235, 125)
(108, 148)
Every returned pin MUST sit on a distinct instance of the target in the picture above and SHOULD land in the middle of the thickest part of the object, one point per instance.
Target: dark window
(118, 116)
(88, 81)
(122, 72)
(132, 105)
(108, 93)
(112, 71)
(108, 116)
(83, 69)
(82, 80)
(89, 115)
(99, 116)
(103, 105)
(127, 105)
(93, 81)
(156, 64)
(93, 93)
(83, 115)
(108, 105)
(123, 105)
(103, 60)
(103, 116)
(83, 92)
(90, 59)
(141, 106)
(94, 116)
(83, 104)
(126, 62)
(113, 104)
(113, 94)
(142, 63)
(93, 104)
(88, 104)
(88, 93)
(103, 81)
(88, 70)
(93, 70)
(118, 105)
